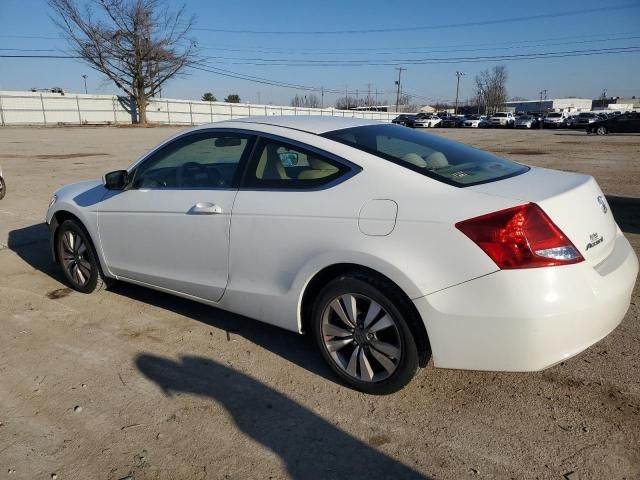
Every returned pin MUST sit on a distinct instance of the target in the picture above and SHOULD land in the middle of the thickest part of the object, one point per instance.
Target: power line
(566, 13)
(420, 61)
(423, 49)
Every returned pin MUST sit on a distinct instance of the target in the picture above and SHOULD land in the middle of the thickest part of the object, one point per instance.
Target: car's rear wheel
(78, 258)
(601, 130)
(3, 188)
(359, 323)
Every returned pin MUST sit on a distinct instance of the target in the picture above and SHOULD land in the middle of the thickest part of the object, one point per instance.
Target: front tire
(3, 188)
(78, 258)
(359, 323)
(601, 130)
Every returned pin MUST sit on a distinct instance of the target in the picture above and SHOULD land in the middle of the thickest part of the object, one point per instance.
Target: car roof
(307, 123)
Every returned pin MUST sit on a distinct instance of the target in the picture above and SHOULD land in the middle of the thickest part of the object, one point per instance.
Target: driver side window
(200, 161)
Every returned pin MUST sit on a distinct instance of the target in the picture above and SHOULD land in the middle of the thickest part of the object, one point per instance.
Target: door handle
(205, 208)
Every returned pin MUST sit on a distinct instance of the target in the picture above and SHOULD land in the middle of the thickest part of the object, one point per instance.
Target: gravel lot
(135, 382)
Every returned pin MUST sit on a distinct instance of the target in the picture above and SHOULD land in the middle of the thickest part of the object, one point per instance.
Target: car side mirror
(115, 180)
(289, 159)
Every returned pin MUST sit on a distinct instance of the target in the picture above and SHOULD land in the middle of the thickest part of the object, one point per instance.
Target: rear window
(500, 115)
(435, 157)
(554, 115)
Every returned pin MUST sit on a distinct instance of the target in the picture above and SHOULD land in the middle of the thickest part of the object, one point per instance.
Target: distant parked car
(406, 120)
(584, 119)
(526, 121)
(452, 121)
(475, 121)
(503, 119)
(555, 120)
(426, 120)
(625, 123)
(3, 186)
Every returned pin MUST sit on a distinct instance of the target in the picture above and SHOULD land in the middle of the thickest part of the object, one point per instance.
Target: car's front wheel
(78, 259)
(601, 130)
(3, 188)
(359, 323)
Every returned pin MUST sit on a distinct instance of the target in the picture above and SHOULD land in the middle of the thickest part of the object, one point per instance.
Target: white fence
(48, 109)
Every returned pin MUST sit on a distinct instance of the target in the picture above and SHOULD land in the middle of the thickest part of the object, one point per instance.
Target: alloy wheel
(361, 337)
(75, 258)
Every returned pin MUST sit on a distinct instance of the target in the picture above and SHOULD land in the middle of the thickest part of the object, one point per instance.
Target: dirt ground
(135, 383)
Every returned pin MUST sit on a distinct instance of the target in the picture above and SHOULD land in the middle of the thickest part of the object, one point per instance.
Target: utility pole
(400, 69)
(541, 118)
(321, 97)
(458, 75)
(368, 94)
(85, 83)
(346, 97)
(376, 100)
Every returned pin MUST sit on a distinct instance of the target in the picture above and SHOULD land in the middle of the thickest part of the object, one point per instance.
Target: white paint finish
(378, 217)
(272, 242)
(570, 200)
(154, 237)
(524, 320)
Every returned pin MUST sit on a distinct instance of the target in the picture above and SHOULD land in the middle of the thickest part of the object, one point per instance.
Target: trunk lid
(574, 202)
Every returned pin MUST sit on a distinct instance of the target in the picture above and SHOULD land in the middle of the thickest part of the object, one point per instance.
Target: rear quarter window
(435, 157)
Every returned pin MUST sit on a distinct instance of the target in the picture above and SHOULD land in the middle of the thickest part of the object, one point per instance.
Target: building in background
(625, 104)
(551, 105)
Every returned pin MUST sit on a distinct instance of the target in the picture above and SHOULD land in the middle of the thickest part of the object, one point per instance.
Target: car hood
(75, 188)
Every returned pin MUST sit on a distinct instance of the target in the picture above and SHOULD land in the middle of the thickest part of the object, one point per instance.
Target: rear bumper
(527, 320)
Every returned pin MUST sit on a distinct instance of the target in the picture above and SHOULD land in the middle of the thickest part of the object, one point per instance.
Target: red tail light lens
(521, 237)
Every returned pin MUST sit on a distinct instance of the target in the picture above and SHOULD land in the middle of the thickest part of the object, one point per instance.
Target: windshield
(444, 160)
(524, 117)
(500, 115)
(554, 115)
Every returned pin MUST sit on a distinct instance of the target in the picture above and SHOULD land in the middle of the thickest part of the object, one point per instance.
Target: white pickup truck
(503, 119)
(555, 119)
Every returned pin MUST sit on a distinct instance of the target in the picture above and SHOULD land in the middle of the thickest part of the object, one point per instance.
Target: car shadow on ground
(32, 245)
(309, 446)
(626, 211)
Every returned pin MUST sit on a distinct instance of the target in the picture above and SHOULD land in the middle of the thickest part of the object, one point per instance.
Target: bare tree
(491, 88)
(346, 103)
(308, 101)
(137, 44)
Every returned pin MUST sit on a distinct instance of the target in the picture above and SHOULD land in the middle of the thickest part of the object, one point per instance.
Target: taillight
(521, 237)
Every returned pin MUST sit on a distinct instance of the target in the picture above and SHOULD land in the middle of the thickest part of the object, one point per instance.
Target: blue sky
(617, 26)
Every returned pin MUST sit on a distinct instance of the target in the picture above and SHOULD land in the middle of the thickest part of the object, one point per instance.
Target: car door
(170, 227)
(287, 207)
(620, 124)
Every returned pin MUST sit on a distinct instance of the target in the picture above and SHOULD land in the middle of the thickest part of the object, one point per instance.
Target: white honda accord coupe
(389, 245)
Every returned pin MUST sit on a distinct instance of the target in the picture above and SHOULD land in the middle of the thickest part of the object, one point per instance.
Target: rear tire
(360, 325)
(601, 130)
(3, 188)
(78, 258)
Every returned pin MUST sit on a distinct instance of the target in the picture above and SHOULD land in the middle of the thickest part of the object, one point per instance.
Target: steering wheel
(192, 174)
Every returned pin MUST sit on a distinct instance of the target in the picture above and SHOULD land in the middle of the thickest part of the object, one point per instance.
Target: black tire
(368, 287)
(3, 188)
(95, 279)
(601, 130)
